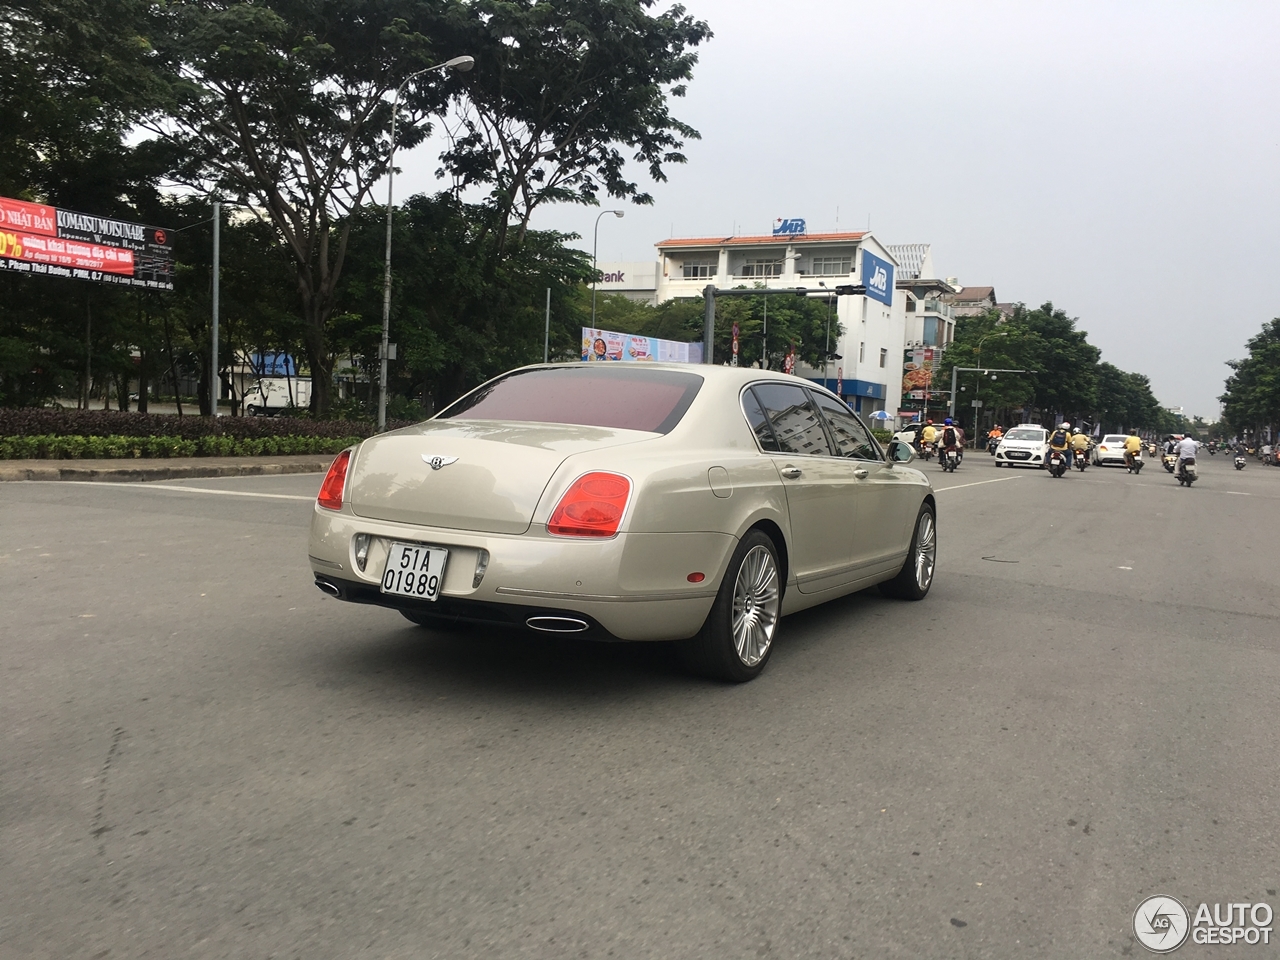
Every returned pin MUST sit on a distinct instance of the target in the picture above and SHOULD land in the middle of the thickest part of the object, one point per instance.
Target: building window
(761, 268)
(930, 331)
(700, 269)
(862, 352)
(884, 357)
(831, 266)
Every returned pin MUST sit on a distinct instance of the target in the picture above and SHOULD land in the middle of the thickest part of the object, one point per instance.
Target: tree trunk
(144, 383)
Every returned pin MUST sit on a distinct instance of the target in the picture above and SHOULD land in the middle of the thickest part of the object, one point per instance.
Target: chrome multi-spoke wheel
(916, 576)
(755, 605)
(926, 552)
(735, 642)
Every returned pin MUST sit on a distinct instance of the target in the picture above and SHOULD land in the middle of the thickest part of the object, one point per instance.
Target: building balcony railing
(935, 307)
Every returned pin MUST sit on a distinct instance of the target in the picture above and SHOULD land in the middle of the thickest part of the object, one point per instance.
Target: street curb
(137, 471)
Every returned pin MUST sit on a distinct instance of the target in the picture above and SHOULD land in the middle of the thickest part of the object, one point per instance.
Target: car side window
(794, 419)
(851, 437)
(759, 423)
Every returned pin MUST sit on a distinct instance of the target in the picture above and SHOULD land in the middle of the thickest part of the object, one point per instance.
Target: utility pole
(217, 268)
(546, 336)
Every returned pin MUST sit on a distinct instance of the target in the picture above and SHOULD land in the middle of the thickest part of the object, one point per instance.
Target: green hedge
(51, 447)
(884, 436)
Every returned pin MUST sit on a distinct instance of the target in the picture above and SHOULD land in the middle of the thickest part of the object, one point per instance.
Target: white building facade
(868, 372)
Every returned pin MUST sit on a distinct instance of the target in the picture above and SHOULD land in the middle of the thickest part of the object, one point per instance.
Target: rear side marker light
(696, 577)
(592, 507)
(334, 483)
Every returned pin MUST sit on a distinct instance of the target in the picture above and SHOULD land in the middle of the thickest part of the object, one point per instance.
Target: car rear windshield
(1024, 435)
(1115, 439)
(627, 399)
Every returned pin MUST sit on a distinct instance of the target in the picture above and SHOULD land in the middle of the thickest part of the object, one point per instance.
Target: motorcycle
(1080, 460)
(1187, 472)
(1239, 461)
(992, 444)
(1134, 462)
(1057, 463)
(926, 451)
(950, 460)
(1169, 461)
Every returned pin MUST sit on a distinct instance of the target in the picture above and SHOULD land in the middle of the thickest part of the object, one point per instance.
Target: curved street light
(595, 239)
(462, 65)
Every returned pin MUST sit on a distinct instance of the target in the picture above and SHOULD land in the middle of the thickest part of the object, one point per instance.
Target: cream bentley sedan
(697, 504)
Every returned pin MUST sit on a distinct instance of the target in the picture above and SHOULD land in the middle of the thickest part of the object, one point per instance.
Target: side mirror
(900, 452)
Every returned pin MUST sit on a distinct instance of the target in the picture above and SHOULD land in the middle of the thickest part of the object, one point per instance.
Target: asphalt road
(203, 756)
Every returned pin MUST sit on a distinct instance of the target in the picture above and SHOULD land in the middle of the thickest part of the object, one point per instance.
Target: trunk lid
(482, 475)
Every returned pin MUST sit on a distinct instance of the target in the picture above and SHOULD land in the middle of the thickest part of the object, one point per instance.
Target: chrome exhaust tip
(557, 624)
(328, 588)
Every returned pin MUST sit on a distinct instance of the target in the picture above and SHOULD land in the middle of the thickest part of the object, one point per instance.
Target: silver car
(697, 504)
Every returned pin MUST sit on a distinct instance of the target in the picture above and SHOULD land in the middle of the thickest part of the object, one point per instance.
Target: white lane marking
(961, 486)
(162, 486)
(1237, 493)
(1124, 568)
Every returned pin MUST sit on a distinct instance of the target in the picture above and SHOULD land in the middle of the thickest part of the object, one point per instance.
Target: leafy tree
(282, 104)
(462, 311)
(561, 90)
(1251, 402)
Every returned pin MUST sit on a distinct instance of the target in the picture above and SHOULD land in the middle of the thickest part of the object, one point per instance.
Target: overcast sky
(1119, 159)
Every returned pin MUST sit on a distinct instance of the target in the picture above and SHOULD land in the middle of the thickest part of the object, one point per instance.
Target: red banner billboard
(49, 241)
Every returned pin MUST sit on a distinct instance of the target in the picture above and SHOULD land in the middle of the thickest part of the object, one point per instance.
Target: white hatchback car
(1110, 449)
(1023, 446)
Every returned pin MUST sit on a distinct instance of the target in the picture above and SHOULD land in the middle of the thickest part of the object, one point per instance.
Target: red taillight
(592, 507)
(334, 481)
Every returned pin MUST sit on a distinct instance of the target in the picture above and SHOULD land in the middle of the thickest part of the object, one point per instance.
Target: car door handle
(791, 473)
(860, 473)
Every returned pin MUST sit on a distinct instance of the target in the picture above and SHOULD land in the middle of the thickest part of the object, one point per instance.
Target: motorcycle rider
(1185, 450)
(928, 435)
(950, 439)
(1060, 440)
(1080, 444)
(993, 438)
(1132, 445)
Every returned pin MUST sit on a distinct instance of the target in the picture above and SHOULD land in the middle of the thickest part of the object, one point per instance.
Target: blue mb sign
(788, 228)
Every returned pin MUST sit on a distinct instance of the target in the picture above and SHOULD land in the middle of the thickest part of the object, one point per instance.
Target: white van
(267, 396)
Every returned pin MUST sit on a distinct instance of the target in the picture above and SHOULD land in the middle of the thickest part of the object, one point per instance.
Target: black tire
(916, 576)
(714, 651)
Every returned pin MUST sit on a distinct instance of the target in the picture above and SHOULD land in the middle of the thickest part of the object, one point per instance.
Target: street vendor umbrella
(881, 415)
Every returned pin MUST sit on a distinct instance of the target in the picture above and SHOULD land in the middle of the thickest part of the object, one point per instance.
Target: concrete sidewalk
(175, 468)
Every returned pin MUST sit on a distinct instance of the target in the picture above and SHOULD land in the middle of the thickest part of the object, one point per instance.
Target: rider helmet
(947, 422)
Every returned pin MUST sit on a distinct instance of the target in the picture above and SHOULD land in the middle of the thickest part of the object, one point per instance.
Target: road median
(175, 468)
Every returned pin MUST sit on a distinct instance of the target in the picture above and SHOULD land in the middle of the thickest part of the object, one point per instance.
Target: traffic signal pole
(710, 293)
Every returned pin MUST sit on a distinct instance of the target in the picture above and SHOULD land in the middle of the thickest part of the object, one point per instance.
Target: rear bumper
(630, 587)
(455, 610)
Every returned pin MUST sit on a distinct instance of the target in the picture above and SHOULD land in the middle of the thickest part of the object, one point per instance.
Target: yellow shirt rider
(1080, 443)
(929, 434)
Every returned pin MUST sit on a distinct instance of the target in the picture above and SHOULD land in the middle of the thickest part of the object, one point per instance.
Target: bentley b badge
(438, 462)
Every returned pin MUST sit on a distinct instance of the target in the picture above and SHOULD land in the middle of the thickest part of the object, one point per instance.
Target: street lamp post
(462, 65)
(595, 239)
(977, 411)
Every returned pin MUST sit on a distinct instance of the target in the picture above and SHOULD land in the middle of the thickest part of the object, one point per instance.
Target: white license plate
(414, 570)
